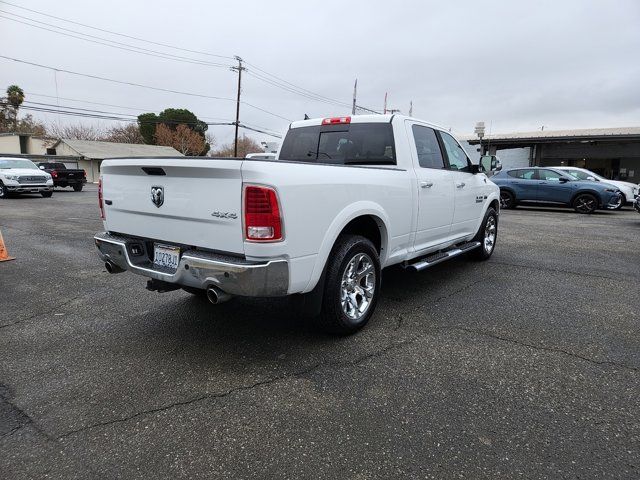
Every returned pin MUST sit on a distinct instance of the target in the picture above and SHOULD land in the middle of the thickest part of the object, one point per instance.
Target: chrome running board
(435, 258)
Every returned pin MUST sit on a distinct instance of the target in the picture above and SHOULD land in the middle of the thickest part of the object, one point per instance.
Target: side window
(458, 159)
(429, 154)
(550, 175)
(525, 174)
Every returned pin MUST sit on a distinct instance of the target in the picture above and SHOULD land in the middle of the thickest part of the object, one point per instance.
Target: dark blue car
(552, 186)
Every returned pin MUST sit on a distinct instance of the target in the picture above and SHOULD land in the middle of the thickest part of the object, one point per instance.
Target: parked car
(346, 197)
(636, 204)
(553, 186)
(629, 190)
(19, 175)
(65, 177)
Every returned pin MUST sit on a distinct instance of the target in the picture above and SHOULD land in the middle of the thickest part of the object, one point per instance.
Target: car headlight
(11, 177)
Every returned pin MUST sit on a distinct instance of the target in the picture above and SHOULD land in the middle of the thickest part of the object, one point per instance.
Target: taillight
(262, 222)
(100, 202)
(84, 173)
(54, 174)
(336, 120)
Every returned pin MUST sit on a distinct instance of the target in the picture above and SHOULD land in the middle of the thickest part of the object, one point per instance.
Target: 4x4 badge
(157, 196)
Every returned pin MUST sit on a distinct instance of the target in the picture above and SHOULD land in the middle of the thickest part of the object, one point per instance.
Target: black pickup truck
(63, 176)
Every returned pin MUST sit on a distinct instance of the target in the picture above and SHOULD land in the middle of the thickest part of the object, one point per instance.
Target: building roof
(100, 150)
(547, 135)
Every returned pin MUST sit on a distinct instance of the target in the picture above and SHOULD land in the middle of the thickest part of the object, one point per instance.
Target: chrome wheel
(1, 190)
(490, 231)
(358, 286)
(585, 204)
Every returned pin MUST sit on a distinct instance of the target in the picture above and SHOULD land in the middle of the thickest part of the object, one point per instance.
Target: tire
(585, 203)
(487, 236)
(3, 191)
(507, 200)
(46, 194)
(623, 202)
(77, 188)
(339, 314)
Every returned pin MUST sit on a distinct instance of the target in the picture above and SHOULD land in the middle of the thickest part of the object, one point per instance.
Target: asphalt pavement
(524, 366)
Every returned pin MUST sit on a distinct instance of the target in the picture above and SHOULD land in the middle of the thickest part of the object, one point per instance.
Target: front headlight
(11, 177)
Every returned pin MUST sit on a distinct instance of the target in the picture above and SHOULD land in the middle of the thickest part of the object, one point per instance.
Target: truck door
(435, 188)
(468, 188)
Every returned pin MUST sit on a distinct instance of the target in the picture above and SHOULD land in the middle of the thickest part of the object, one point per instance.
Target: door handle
(426, 184)
(460, 184)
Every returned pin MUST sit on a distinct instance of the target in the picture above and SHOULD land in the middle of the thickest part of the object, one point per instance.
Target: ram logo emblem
(157, 196)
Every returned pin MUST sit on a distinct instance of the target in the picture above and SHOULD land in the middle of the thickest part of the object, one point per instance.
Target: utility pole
(239, 69)
(411, 108)
(385, 103)
(355, 88)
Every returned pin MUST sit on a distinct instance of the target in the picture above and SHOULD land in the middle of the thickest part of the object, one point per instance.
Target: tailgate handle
(153, 171)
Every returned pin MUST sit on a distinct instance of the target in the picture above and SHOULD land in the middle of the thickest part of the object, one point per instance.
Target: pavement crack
(24, 418)
(558, 270)
(297, 374)
(435, 301)
(38, 314)
(545, 349)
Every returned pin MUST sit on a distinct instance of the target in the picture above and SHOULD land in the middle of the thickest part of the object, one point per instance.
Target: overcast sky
(515, 65)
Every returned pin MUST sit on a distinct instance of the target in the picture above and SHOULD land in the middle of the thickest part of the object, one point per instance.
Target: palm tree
(15, 97)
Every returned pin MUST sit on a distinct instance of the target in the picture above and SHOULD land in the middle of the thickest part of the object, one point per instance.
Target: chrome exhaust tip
(112, 267)
(216, 296)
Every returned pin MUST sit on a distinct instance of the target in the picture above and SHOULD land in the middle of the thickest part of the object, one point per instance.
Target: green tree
(171, 118)
(9, 107)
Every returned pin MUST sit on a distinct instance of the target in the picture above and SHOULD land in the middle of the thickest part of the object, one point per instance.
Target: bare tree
(76, 132)
(183, 139)
(245, 145)
(124, 134)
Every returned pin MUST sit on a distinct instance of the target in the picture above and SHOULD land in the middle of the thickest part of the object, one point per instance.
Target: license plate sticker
(165, 256)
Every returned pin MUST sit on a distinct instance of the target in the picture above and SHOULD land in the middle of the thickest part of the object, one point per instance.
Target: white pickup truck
(345, 197)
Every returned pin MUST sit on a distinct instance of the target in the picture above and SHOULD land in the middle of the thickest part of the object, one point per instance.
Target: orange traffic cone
(4, 254)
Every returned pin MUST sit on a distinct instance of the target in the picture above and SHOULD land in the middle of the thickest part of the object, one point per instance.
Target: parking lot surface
(522, 366)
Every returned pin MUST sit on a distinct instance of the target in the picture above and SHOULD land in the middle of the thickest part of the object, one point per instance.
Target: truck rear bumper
(199, 269)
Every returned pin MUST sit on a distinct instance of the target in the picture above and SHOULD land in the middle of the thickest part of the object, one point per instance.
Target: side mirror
(593, 179)
(489, 163)
(563, 180)
(41, 167)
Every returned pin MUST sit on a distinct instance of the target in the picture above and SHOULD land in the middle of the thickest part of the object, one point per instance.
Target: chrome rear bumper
(199, 269)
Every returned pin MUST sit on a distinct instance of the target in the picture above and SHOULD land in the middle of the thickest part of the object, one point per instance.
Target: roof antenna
(306, 117)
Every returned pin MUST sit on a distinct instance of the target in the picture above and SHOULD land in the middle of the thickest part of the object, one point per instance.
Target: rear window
(352, 144)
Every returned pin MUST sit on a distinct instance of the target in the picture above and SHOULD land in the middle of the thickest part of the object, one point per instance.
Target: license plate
(165, 256)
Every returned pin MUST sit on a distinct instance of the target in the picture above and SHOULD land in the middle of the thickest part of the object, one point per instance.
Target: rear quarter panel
(317, 201)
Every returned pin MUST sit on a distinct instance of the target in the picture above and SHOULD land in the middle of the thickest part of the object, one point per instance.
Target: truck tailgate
(200, 204)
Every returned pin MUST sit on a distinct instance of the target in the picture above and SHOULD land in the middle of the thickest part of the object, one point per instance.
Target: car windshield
(16, 163)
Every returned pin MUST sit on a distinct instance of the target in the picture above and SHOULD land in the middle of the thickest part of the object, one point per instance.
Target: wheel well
(495, 204)
(582, 192)
(369, 227)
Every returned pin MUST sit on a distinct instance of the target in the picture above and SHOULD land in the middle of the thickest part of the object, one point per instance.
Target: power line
(118, 34)
(122, 117)
(273, 80)
(126, 107)
(101, 41)
(133, 84)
